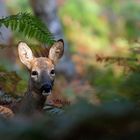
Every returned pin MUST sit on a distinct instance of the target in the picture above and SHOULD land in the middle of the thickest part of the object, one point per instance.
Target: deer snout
(46, 89)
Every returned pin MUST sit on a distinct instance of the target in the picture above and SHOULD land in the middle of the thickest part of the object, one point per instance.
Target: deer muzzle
(46, 89)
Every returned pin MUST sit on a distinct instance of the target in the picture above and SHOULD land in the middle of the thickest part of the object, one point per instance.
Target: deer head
(42, 69)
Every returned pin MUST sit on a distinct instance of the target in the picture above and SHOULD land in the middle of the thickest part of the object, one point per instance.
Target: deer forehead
(42, 63)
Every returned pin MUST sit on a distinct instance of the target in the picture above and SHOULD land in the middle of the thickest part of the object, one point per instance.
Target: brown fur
(43, 65)
(34, 99)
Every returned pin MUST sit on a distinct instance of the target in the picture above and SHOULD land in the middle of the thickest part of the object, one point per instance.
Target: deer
(41, 76)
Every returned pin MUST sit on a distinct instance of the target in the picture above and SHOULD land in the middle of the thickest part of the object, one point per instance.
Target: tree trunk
(5, 33)
(46, 10)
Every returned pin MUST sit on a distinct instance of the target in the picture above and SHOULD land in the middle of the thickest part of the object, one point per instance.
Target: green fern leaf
(30, 26)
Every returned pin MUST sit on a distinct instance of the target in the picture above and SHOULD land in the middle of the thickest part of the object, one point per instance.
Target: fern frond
(30, 26)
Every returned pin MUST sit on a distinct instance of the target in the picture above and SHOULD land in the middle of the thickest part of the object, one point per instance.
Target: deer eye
(52, 72)
(34, 73)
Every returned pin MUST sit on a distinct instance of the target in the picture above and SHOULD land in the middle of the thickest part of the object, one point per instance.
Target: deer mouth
(46, 89)
(46, 93)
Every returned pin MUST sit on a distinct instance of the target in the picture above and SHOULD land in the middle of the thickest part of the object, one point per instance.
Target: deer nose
(46, 89)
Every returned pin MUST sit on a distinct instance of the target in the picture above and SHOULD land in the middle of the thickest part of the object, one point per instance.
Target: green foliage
(8, 80)
(130, 87)
(109, 121)
(30, 26)
(88, 17)
(114, 22)
(130, 12)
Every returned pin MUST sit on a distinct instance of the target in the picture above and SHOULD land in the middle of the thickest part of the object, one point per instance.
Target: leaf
(30, 26)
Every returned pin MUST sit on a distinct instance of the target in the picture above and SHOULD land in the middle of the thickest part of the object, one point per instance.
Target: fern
(30, 26)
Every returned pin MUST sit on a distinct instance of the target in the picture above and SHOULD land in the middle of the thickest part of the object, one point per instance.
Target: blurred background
(94, 31)
(100, 64)
(91, 29)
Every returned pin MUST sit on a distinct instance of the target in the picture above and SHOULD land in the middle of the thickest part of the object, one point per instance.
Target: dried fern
(30, 26)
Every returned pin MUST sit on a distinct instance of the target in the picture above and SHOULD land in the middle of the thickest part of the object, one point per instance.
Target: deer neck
(37, 99)
(33, 101)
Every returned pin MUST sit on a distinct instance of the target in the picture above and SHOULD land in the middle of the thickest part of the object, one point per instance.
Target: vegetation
(30, 26)
(102, 102)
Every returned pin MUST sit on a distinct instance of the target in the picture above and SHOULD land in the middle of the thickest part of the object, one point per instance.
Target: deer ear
(25, 54)
(56, 51)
